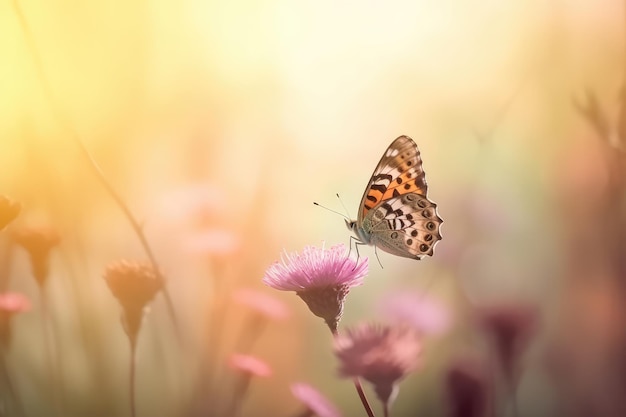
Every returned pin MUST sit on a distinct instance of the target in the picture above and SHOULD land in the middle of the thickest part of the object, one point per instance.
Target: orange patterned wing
(399, 172)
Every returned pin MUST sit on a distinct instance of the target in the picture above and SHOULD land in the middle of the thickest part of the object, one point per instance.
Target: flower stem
(60, 117)
(5, 263)
(131, 382)
(239, 393)
(51, 355)
(386, 412)
(10, 389)
(305, 413)
(358, 386)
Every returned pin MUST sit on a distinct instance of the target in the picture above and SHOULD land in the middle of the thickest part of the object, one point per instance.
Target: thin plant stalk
(358, 386)
(494, 395)
(250, 333)
(239, 393)
(305, 413)
(386, 409)
(131, 378)
(211, 365)
(5, 263)
(513, 401)
(51, 355)
(10, 389)
(117, 198)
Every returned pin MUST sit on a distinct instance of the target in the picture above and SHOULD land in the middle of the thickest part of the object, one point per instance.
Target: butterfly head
(351, 225)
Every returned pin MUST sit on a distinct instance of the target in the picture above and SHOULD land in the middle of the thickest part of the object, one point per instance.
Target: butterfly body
(395, 215)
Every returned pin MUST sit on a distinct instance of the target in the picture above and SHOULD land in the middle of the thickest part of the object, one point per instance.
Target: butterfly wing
(398, 172)
(406, 225)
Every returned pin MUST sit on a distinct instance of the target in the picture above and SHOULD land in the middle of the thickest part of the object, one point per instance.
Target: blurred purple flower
(509, 328)
(314, 401)
(467, 389)
(321, 277)
(424, 313)
(261, 303)
(383, 355)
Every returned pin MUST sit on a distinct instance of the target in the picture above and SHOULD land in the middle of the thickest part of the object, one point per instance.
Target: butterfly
(395, 215)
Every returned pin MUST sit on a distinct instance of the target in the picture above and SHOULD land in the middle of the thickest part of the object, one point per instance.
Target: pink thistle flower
(467, 389)
(261, 304)
(426, 314)
(38, 242)
(509, 329)
(9, 210)
(10, 304)
(249, 365)
(383, 355)
(321, 277)
(314, 401)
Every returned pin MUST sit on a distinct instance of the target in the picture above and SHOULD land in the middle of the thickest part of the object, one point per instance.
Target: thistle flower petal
(314, 401)
(316, 268)
(321, 277)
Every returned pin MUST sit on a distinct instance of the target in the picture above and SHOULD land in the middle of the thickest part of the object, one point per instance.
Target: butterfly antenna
(343, 205)
(334, 211)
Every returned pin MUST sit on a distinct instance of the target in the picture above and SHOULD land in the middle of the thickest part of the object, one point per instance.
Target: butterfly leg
(352, 238)
(377, 258)
(357, 243)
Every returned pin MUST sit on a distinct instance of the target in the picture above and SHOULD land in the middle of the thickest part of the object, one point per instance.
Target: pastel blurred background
(219, 123)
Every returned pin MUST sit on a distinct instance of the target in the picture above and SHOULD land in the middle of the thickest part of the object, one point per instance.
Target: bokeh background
(219, 123)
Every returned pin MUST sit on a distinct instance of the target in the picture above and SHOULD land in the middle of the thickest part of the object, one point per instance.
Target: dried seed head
(134, 284)
(9, 210)
(38, 242)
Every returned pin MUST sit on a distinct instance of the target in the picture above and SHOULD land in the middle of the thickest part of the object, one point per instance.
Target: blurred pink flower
(10, 304)
(509, 328)
(315, 402)
(424, 313)
(249, 365)
(194, 203)
(383, 355)
(321, 277)
(261, 303)
(467, 389)
(213, 242)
